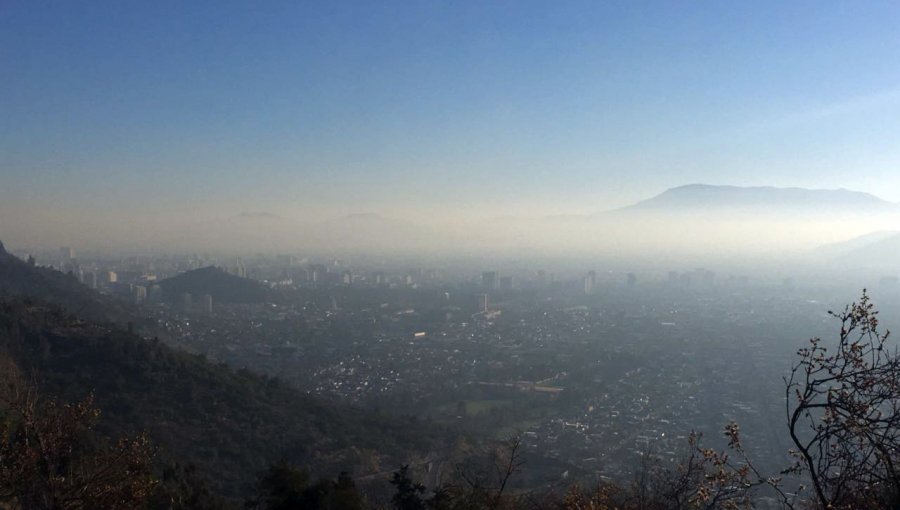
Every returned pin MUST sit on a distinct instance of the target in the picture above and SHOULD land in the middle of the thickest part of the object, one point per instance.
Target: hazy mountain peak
(861, 241)
(873, 250)
(259, 215)
(363, 216)
(368, 219)
(763, 199)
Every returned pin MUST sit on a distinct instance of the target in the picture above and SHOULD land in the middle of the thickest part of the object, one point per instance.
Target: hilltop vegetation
(229, 424)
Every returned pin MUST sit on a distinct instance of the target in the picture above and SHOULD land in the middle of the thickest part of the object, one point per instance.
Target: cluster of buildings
(595, 369)
(595, 381)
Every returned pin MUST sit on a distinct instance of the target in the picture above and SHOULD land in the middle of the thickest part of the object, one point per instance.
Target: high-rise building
(111, 277)
(299, 274)
(506, 283)
(317, 273)
(489, 280)
(240, 269)
(140, 294)
(705, 277)
(207, 303)
(187, 302)
(590, 282)
(285, 260)
(483, 305)
(66, 253)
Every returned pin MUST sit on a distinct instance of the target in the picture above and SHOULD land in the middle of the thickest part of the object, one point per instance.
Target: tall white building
(590, 282)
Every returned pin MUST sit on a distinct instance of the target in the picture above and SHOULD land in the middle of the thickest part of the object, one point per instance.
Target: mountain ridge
(877, 250)
(18, 278)
(708, 197)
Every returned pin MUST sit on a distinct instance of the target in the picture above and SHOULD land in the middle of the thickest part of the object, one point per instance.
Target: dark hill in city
(222, 286)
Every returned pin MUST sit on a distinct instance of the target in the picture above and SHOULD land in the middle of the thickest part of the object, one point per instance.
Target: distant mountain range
(855, 244)
(687, 198)
(698, 216)
(705, 198)
(877, 250)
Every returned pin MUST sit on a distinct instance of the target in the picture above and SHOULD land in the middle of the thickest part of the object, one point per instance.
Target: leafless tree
(843, 412)
(507, 462)
(484, 483)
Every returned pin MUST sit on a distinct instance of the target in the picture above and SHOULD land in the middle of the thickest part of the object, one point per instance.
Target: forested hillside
(19, 278)
(231, 425)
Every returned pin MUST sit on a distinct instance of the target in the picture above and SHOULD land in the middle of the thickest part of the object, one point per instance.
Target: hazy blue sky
(566, 106)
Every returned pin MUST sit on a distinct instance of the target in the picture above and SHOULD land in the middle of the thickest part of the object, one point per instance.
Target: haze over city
(449, 255)
(435, 125)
